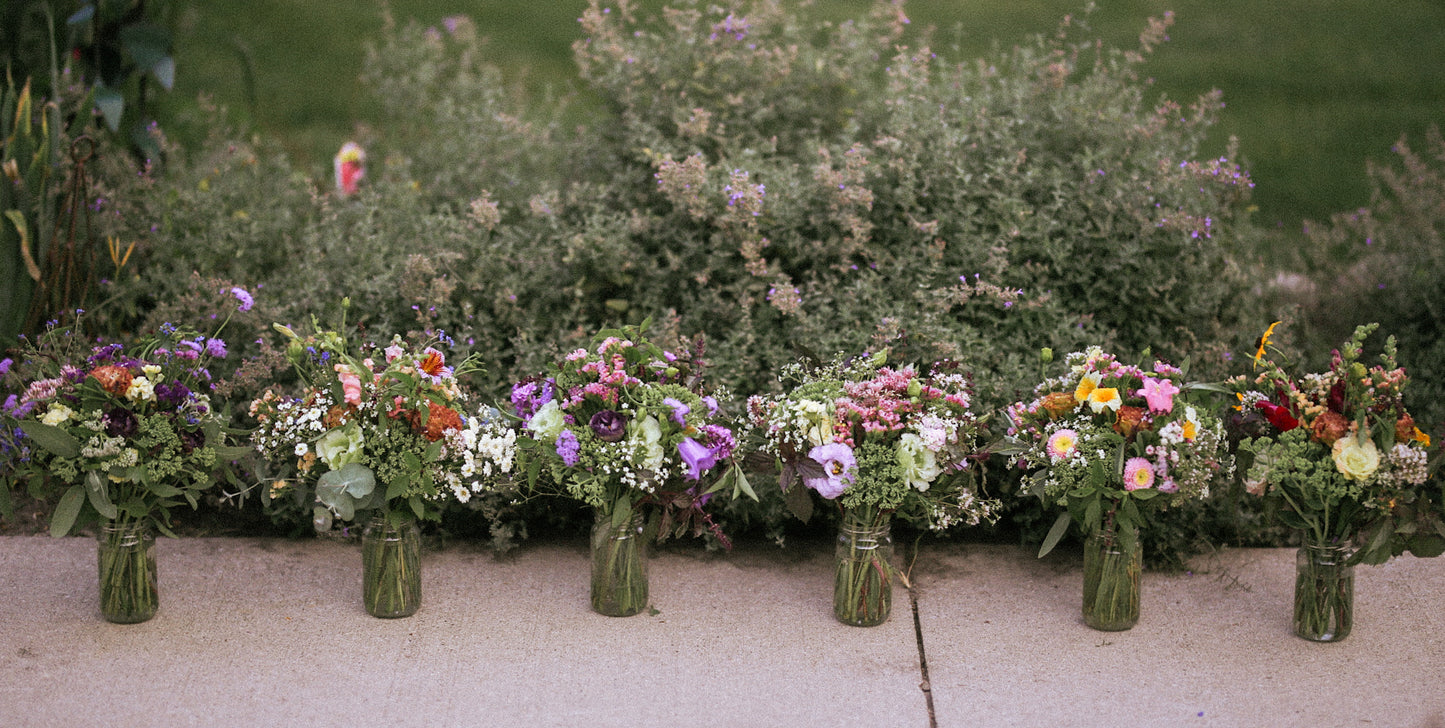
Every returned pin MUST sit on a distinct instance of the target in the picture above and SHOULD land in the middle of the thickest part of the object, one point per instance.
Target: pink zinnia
(1138, 475)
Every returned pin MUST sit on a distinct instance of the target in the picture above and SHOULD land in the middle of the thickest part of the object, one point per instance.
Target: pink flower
(1062, 444)
(839, 469)
(1138, 475)
(392, 352)
(350, 384)
(1159, 393)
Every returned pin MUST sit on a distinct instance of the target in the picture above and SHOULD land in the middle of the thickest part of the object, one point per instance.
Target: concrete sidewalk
(272, 632)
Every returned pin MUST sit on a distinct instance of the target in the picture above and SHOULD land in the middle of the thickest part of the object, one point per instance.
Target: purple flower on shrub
(608, 426)
(567, 447)
(697, 456)
(679, 410)
(243, 298)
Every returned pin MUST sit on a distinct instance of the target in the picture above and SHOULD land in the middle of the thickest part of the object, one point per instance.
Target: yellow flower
(1422, 438)
(1264, 342)
(1356, 457)
(1087, 385)
(1105, 397)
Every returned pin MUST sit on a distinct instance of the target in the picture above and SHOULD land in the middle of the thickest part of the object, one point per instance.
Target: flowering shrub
(625, 425)
(386, 429)
(1340, 453)
(1106, 438)
(122, 433)
(878, 441)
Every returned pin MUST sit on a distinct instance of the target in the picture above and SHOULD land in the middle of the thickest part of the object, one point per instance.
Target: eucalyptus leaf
(1056, 534)
(55, 440)
(67, 510)
(99, 498)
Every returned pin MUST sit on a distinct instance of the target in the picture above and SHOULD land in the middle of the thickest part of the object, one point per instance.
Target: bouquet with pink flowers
(878, 441)
(1104, 440)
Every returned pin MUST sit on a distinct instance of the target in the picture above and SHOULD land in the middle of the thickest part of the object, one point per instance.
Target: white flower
(919, 465)
(57, 415)
(547, 422)
(814, 421)
(1356, 457)
(645, 436)
(301, 449)
(340, 446)
(150, 370)
(140, 390)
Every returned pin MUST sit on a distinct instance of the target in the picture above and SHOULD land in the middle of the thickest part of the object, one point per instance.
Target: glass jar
(619, 565)
(391, 567)
(1111, 581)
(127, 562)
(1324, 592)
(863, 572)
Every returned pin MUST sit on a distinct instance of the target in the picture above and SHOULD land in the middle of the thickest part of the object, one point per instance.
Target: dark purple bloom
(608, 426)
(192, 439)
(697, 456)
(567, 447)
(172, 394)
(121, 422)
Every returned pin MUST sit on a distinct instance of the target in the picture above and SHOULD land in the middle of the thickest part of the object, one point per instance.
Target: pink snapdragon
(350, 384)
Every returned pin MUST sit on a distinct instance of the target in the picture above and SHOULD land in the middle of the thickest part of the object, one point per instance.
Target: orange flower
(1131, 420)
(1058, 404)
(1329, 427)
(113, 379)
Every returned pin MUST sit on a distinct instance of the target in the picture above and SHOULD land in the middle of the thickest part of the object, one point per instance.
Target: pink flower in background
(349, 167)
(1159, 393)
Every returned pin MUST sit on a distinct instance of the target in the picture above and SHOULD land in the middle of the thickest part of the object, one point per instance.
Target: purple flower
(192, 439)
(216, 348)
(172, 395)
(528, 395)
(711, 403)
(839, 469)
(244, 299)
(679, 410)
(121, 422)
(720, 441)
(5, 366)
(567, 447)
(697, 456)
(608, 426)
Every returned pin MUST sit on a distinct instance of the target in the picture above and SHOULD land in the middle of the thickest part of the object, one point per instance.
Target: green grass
(1313, 88)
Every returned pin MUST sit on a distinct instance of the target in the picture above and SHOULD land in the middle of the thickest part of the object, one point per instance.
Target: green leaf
(1056, 534)
(227, 453)
(416, 506)
(111, 104)
(398, 486)
(165, 490)
(99, 498)
(621, 512)
(147, 43)
(67, 510)
(741, 484)
(1143, 494)
(165, 72)
(55, 440)
(799, 502)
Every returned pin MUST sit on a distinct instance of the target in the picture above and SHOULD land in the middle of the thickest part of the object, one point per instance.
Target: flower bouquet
(878, 441)
(1342, 458)
(125, 434)
(381, 431)
(625, 428)
(1108, 440)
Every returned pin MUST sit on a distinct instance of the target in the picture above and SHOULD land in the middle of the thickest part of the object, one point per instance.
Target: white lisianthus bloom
(919, 465)
(645, 436)
(341, 446)
(815, 421)
(1356, 457)
(57, 414)
(547, 422)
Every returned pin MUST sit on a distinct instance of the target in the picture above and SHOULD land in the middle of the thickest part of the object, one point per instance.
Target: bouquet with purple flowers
(626, 428)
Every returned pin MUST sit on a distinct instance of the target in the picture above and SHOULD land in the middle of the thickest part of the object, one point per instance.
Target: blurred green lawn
(1313, 87)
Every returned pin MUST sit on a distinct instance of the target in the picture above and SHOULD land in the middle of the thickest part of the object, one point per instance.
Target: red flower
(1278, 416)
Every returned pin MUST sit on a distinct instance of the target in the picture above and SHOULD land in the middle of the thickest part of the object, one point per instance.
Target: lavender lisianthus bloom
(839, 469)
(567, 447)
(608, 426)
(697, 456)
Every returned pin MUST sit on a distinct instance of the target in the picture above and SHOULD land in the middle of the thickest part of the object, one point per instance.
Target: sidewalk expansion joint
(925, 685)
